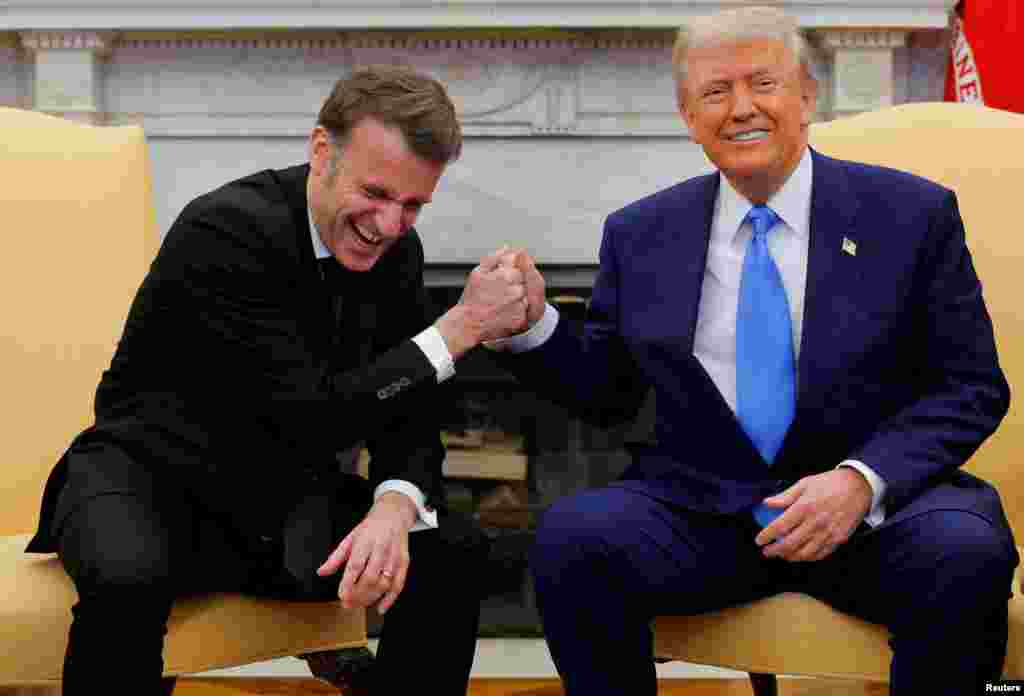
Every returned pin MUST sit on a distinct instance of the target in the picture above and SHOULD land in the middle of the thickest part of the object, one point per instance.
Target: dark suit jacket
(897, 366)
(226, 374)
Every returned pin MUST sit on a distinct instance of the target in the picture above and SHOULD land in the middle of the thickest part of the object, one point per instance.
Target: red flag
(986, 54)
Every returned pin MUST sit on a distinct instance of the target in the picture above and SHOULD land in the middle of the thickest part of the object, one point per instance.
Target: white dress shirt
(715, 336)
(433, 346)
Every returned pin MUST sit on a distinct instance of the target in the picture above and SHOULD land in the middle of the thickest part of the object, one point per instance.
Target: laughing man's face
(366, 193)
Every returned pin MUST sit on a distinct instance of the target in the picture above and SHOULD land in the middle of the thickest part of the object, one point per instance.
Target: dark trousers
(608, 561)
(134, 548)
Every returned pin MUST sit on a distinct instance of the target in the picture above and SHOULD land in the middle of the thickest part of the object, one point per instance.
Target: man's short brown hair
(414, 103)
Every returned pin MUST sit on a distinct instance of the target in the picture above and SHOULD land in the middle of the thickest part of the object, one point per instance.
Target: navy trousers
(608, 561)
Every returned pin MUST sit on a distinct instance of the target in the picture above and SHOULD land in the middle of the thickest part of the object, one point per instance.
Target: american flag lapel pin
(849, 246)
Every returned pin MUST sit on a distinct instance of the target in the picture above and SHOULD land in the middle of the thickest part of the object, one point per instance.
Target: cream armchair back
(979, 153)
(78, 235)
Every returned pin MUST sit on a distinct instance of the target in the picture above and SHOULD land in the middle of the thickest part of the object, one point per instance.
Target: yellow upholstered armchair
(78, 235)
(979, 153)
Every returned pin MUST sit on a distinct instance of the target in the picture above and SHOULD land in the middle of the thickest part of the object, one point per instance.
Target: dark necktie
(765, 363)
(332, 272)
(333, 275)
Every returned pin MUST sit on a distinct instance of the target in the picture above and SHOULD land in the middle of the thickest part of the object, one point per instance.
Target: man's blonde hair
(735, 26)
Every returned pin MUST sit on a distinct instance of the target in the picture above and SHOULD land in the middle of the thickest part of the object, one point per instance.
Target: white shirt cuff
(534, 337)
(876, 515)
(427, 519)
(433, 346)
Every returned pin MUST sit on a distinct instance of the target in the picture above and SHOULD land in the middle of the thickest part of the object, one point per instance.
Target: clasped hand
(504, 295)
(513, 277)
(495, 296)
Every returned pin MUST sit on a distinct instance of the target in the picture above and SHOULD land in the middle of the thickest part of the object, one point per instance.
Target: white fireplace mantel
(568, 105)
(422, 14)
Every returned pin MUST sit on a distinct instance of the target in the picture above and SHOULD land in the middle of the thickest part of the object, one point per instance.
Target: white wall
(550, 194)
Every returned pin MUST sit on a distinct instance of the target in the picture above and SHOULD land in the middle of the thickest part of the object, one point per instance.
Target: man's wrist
(534, 337)
(400, 502)
(457, 331)
(426, 518)
(859, 477)
(434, 347)
(877, 485)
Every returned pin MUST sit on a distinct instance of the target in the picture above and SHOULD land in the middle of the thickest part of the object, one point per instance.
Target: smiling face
(371, 196)
(748, 104)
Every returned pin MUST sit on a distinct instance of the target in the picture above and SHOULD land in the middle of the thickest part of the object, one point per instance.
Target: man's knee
(121, 567)
(452, 559)
(973, 543)
(109, 553)
(575, 530)
(561, 525)
(969, 557)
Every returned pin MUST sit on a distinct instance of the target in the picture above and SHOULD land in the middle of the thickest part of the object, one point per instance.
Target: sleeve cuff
(876, 515)
(426, 519)
(536, 336)
(433, 346)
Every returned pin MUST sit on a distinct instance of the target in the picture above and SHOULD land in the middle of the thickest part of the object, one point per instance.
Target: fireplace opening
(512, 453)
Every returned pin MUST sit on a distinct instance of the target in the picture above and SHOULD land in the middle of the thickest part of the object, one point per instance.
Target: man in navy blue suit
(823, 364)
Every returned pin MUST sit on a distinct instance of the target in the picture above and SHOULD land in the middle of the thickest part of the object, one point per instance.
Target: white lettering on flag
(965, 70)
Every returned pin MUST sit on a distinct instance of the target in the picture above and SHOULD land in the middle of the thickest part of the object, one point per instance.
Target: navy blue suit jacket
(897, 367)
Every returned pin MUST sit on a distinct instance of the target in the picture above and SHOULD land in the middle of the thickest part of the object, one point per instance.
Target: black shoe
(348, 669)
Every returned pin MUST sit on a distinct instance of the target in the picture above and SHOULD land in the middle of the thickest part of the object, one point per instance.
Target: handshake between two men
(503, 296)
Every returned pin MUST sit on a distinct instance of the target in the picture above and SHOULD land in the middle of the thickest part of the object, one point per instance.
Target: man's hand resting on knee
(822, 511)
(375, 554)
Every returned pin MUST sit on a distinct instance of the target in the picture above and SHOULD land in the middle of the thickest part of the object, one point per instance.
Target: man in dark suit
(822, 363)
(283, 321)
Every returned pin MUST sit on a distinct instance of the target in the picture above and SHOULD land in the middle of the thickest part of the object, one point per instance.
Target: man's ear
(681, 107)
(319, 150)
(808, 95)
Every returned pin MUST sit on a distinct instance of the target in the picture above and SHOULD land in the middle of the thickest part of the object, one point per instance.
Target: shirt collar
(320, 250)
(792, 202)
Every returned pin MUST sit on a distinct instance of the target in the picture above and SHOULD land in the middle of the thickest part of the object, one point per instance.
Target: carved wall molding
(188, 42)
(834, 39)
(96, 41)
(217, 85)
(402, 41)
(589, 82)
(242, 14)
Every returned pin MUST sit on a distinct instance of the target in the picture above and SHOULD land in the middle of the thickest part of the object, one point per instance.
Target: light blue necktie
(765, 366)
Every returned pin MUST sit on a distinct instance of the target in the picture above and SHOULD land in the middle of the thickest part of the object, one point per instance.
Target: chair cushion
(206, 632)
(793, 633)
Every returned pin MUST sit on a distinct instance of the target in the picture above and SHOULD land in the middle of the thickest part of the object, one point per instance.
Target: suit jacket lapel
(293, 185)
(689, 218)
(833, 274)
(693, 215)
(318, 308)
(360, 313)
